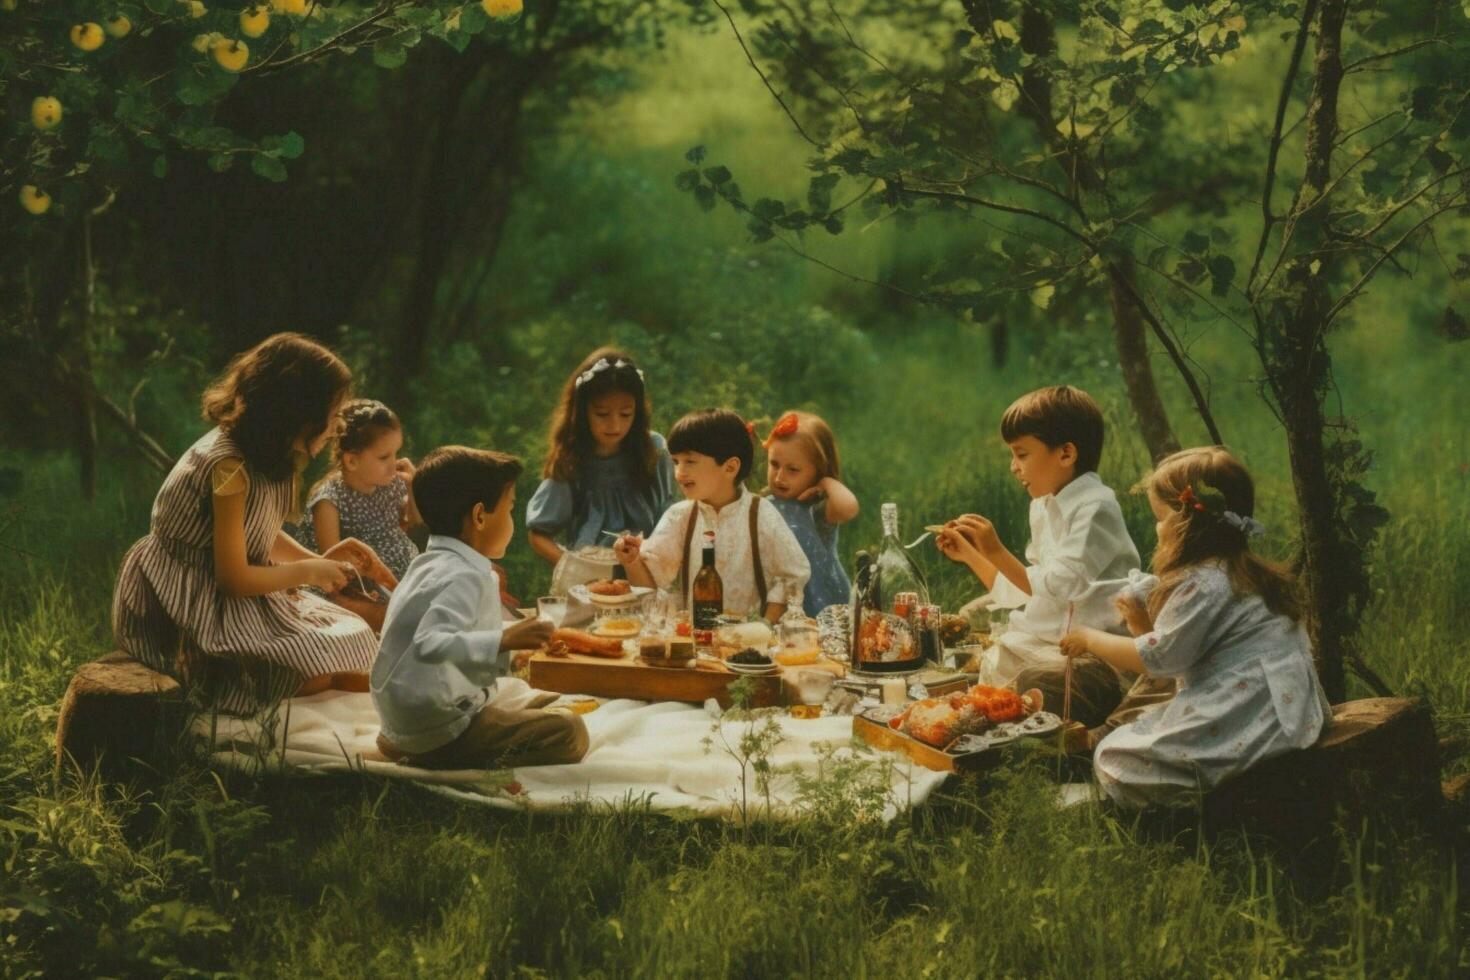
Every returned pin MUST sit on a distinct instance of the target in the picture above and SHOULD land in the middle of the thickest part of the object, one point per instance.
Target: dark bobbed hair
(715, 432)
(450, 480)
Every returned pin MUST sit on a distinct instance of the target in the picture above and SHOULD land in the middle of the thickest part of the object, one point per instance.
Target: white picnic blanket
(653, 755)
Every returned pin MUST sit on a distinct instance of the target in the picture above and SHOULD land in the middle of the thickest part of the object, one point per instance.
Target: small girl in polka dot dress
(802, 477)
(365, 496)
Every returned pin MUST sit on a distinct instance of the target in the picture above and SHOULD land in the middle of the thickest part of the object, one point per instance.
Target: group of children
(1215, 676)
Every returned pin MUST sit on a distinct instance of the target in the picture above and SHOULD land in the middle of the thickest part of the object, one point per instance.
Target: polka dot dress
(372, 518)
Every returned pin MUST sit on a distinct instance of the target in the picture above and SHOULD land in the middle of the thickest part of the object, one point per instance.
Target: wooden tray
(880, 736)
(631, 678)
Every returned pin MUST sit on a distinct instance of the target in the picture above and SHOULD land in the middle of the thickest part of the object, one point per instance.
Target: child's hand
(364, 559)
(528, 634)
(405, 468)
(1075, 643)
(325, 574)
(981, 534)
(955, 546)
(1134, 613)
(814, 491)
(628, 548)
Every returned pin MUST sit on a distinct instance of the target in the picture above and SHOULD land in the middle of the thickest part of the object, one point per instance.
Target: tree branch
(766, 81)
(1268, 218)
(1201, 402)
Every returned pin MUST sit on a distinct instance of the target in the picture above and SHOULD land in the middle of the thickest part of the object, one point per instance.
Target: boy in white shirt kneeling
(444, 644)
(1077, 561)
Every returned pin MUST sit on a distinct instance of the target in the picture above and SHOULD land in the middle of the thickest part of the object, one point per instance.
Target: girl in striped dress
(214, 594)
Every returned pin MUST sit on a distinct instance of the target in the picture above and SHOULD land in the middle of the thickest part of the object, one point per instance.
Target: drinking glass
(553, 609)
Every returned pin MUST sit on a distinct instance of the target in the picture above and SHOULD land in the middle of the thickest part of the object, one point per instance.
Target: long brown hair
(276, 392)
(1215, 481)
(571, 440)
(815, 436)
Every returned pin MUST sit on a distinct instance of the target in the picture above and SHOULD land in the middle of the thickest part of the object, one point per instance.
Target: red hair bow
(1186, 498)
(785, 426)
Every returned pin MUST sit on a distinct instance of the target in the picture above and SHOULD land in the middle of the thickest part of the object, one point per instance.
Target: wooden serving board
(880, 736)
(629, 677)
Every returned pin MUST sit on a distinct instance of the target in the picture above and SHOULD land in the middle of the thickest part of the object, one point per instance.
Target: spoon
(928, 533)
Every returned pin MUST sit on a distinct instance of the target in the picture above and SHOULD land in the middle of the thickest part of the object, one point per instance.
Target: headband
(606, 365)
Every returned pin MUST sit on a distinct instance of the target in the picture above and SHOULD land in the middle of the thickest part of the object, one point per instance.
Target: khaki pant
(497, 738)
(1096, 688)
(1144, 694)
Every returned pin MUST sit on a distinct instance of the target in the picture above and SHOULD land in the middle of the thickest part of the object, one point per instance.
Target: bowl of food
(618, 627)
(751, 661)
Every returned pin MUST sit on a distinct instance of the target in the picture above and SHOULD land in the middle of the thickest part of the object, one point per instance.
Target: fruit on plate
(939, 721)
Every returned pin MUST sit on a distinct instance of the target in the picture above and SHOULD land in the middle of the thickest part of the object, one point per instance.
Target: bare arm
(638, 573)
(232, 568)
(774, 611)
(1116, 651)
(546, 549)
(327, 521)
(286, 549)
(842, 504)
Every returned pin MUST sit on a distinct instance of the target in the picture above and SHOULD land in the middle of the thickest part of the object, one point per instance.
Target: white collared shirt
(440, 651)
(782, 560)
(1078, 558)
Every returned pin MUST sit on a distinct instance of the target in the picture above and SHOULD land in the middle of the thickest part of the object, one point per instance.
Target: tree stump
(116, 708)
(1379, 755)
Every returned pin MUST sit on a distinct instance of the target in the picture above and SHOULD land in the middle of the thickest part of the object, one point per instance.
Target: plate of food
(610, 593)
(619, 628)
(751, 662)
(1000, 714)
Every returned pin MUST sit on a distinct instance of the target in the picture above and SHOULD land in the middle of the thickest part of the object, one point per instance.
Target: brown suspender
(755, 550)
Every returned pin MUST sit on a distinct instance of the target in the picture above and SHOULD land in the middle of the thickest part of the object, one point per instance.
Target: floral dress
(1248, 691)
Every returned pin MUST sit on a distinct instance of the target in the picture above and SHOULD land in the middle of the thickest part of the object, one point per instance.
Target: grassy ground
(187, 873)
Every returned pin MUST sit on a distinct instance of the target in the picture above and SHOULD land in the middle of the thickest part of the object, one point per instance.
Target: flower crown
(785, 426)
(1211, 502)
(604, 364)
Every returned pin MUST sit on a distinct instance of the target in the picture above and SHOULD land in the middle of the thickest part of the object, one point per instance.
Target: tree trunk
(1332, 556)
(1138, 375)
(444, 216)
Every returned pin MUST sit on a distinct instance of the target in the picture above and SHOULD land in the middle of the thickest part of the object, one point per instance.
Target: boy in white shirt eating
(1077, 560)
(760, 562)
(444, 644)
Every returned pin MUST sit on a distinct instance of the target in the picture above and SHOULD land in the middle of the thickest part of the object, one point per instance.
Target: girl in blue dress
(605, 470)
(803, 481)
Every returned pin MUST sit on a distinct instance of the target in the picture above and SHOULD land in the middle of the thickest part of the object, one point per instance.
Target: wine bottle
(708, 595)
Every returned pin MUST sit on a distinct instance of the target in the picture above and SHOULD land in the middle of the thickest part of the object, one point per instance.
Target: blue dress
(829, 584)
(607, 497)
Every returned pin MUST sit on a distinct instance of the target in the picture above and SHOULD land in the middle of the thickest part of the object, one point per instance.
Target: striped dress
(240, 653)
